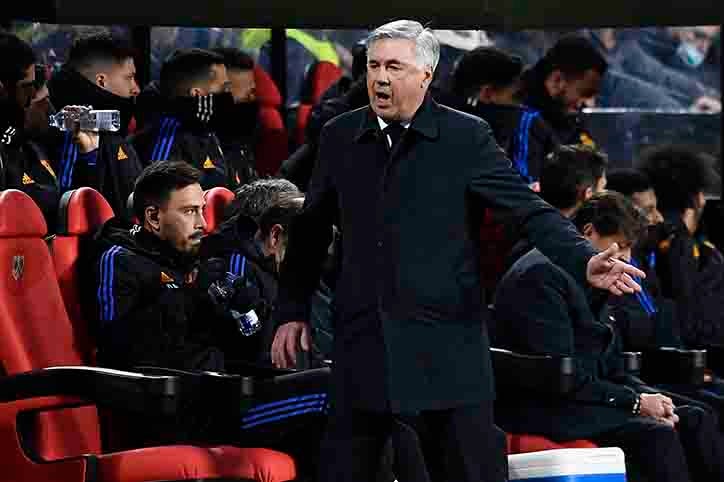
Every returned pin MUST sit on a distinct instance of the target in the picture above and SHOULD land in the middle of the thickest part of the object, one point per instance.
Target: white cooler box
(569, 465)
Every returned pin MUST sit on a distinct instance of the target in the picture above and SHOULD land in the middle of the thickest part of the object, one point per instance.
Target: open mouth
(383, 97)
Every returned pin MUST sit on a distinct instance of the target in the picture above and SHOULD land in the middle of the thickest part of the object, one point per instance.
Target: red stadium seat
(82, 212)
(321, 77)
(217, 199)
(272, 147)
(62, 444)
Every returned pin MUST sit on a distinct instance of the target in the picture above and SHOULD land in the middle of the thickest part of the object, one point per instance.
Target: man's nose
(201, 222)
(135, 89)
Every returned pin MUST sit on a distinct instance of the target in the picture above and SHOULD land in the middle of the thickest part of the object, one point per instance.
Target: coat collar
(424, 122)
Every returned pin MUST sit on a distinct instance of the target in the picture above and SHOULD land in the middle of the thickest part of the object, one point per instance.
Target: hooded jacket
(148, 312)
(112, 169)
(177, 135)
(24, 165)
(234, 243)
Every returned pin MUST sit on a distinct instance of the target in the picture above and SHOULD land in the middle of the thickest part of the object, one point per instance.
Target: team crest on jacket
(27, 180)
(18, 267)
(208, 164)
(122, 156)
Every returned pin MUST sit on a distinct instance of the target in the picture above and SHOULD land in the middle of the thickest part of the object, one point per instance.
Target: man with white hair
(404, 178)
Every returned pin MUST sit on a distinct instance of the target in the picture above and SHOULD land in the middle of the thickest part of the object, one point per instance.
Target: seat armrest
(668, 365)
(128, 391)
(546, 374)
(632, 362)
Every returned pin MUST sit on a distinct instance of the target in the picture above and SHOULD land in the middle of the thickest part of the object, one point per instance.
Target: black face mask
(236, 122)
(202, 109)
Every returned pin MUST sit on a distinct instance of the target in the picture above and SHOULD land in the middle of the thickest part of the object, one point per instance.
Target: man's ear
(276, 235)
(101, 80)
(152, 218)
(588, 230)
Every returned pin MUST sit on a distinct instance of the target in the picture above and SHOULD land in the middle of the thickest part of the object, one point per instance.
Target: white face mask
(690, 54)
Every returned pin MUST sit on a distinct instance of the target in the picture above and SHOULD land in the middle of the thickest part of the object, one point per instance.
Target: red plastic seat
(217, 199)
(272, 147)
(524, 443)
(321, 77)
(36, 333)
(82, 212)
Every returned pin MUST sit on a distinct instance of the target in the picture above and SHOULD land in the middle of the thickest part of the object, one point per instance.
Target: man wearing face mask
(560, 84)
(236, 132)
(100, 72)
(24, 165)
(196, 100)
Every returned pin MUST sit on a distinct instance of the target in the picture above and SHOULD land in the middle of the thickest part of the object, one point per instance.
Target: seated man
(646, 320)
(195, 99)
(153, 307)
(689, 267)
(23, 163)
(254, 252)
(100, 72)
(485, 82)
(556, 318)
(570, 176)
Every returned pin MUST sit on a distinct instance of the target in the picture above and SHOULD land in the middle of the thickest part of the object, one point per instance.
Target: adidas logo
(8, 135)
(122, 156)
(208, 164)
(27, 180)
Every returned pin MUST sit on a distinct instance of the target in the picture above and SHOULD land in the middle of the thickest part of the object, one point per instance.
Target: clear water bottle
(249, 323)
(87, 118)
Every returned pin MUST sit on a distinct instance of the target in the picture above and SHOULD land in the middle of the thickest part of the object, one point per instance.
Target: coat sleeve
(544, 321)
(309, 237)
(495, 182)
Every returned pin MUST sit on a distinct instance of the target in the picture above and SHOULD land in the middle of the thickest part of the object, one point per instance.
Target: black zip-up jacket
(25, 166)
(112, 169)
(172, 137)
(147, 313)
(540, 309)
(520, 131)
(234, 243)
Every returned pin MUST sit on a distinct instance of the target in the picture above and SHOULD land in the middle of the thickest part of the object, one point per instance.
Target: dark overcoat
(410, 332)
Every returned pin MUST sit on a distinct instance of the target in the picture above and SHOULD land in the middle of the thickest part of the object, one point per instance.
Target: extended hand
(605, 271)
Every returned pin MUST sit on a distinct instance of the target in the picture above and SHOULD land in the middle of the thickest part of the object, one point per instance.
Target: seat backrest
(82, 212)
(217, 199)
(36, 331)
(267, 92)
(303, 113)
(272, 146)
(323, 75)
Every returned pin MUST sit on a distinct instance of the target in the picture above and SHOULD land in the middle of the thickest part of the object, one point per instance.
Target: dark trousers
(463, 446)
(693, 451)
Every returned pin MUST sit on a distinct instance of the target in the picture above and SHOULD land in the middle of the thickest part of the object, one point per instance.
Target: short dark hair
(485, 66)
(157, 181)
(90, 50)
(628, 181)
(16, 57)
(185, 68)
(611, 213)
(235, 59)
(254, 198)
(678, 174)
(568, 170)
(282, 212)
(573, 55)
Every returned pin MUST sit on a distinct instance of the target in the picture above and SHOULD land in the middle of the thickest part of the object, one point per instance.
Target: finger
(292, 345)
(627, 284)
(615, 290)
(275, 351)
(305, 339)
(667, 400)
(633, 271)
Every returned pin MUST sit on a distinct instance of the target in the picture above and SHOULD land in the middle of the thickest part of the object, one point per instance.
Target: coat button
(379, 244)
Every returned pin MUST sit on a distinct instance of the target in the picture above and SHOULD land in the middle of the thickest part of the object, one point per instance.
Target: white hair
(427, 48)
